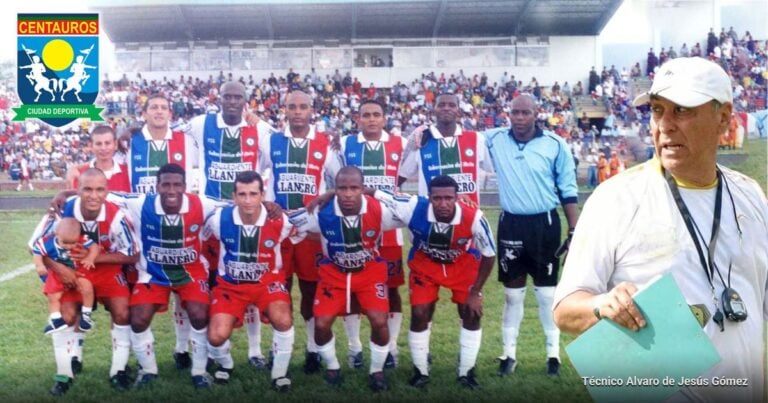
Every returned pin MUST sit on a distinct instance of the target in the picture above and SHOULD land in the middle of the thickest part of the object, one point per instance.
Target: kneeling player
(249, 273)
(452, 248)
(350, 227)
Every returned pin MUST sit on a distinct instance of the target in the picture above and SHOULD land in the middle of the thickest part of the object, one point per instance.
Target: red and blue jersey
(147, 156)
(246, 252)
(226, 152)
(48, 246)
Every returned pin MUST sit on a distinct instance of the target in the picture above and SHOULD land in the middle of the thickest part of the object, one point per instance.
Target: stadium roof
(346, 21)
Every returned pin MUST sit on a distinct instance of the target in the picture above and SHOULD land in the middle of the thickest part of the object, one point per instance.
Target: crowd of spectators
(484, 101)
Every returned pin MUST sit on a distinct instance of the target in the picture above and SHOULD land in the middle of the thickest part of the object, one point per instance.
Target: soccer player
(106, 224)
(446, 149)
(226, 145)
(350, 227)
(156, 145)
(298, 158)
(378, 154)
(151, 148)
(249, 274)
(66, 237)
(169, 224)
(452, 248)
(536, 173)
(103, 145)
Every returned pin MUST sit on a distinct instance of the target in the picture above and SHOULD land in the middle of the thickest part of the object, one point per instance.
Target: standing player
(103, 145)
(378, 154)
(298, 158)
(226, 146)
(452, 248)
(169, 224)
(107, 224)
(446, 149)
(151, 148)
(156, 145)
(248, 274)
(536, 173)
(350, 227)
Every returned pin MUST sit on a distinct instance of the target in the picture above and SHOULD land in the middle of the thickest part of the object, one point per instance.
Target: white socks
(328, 353)
(121, 348)
(545, 297)
(253, 328)
(511, 318)
(181, 323)
(378, 356)
(79, 343)
(418, 342)
(282, 343)
(394, 323)
(199, 339)
(63, 350)
(222, 355)
(311, 345)
(143, 348)
(469, 340)
(352, 326)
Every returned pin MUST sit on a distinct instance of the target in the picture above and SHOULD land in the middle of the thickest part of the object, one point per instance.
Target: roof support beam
(354, 22)
(439, 18)
(186, 24)
(270, 25)
(523, 14)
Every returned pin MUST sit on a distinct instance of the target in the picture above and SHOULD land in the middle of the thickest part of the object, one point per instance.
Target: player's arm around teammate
(249, 273)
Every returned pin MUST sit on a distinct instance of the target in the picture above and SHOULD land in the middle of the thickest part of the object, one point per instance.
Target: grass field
(26, 358)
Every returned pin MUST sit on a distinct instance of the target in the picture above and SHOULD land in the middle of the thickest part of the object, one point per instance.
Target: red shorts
(108, 282)
(393, 255)
(233, 299)
(369, 286)
(53, 283)
(302, 258)
(426, 278)
(151, 293)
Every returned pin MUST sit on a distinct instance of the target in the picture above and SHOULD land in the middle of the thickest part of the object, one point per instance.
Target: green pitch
(27, 365)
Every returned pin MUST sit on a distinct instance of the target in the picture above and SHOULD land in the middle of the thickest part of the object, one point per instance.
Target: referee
(536, 172)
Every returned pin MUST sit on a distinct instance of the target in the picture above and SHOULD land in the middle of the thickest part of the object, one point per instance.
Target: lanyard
(707, 264)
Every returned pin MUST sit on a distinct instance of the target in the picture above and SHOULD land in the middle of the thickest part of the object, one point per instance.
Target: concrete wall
(570, 58)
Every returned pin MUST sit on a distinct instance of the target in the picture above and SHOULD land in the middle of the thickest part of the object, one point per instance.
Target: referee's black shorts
(527, 245)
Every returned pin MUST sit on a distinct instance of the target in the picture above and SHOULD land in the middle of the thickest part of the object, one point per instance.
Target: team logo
(462, 241)
(469, 152)
(250, 142)
(395, 157)
(269, 243)
(370, 233)
(318, 155)
(57, 67)
(103, 238)
(194, 228)
(177, 157)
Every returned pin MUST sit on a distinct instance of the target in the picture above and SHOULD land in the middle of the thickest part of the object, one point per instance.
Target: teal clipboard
(616, 363)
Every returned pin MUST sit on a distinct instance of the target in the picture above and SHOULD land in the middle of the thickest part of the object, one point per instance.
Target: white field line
(18, 272)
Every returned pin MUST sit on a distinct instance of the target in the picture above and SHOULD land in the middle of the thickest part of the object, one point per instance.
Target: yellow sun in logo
(58, 54)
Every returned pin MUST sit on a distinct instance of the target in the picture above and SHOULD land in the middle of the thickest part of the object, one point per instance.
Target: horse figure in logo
(77, 80)
(38, 80)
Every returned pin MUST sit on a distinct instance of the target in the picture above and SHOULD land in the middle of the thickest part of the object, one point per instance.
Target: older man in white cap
(680, 213)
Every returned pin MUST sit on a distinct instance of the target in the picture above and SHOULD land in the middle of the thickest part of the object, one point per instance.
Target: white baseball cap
(689, 82)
